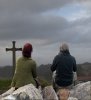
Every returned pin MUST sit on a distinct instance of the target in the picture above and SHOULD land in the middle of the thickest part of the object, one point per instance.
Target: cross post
(14, 49)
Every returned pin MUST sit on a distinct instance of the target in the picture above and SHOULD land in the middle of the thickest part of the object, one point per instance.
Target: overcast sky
(45, 24)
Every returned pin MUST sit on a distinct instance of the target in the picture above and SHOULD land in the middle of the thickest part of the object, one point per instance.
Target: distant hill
(6, 72)
(84, 70)
(45, 72)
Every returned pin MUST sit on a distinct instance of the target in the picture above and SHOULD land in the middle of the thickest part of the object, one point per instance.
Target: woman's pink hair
(27, 49)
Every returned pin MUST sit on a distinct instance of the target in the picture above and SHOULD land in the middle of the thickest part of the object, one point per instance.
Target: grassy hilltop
(44, 73)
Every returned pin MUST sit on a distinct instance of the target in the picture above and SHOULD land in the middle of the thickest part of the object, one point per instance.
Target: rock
(82, 91)
(71, 98)
(22, 96)
(63, 94)
(9, 97)
(11, 90)
(49, 93)
(27, 92)
(7, 93)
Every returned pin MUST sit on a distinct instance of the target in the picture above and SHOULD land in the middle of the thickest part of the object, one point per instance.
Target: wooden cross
(14, 49)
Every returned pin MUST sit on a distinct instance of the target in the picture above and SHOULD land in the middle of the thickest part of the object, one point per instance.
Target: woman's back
(25, 72)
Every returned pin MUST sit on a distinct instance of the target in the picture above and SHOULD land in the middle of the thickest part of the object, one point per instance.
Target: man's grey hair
(64, 47)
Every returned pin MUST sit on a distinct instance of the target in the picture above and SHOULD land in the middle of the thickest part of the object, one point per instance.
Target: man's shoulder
(72, 57)
(57, 56)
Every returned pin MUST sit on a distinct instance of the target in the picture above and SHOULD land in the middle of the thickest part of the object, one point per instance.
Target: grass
(5, 84)
(43, 82)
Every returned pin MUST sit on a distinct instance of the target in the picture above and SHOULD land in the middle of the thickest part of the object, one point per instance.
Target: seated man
(64, 64)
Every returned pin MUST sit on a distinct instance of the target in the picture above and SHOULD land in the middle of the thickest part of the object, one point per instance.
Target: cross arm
(8, 49)
(18, 49)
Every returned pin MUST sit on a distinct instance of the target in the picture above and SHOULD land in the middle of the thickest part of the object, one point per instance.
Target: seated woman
(25, 72)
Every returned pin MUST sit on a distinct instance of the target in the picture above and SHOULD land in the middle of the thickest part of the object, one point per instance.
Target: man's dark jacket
(64, 64)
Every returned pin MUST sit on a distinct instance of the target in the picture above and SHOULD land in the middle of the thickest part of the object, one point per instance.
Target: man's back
(64, 69)
(64, 64)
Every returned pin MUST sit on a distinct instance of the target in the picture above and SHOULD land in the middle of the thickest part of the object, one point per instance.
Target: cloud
(30, 26)
(34, 6)
(49, 28)
(22, 19)
(30, 21)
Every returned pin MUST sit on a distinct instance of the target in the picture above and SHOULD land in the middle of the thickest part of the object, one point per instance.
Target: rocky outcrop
(81, 91)
(27, 92)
